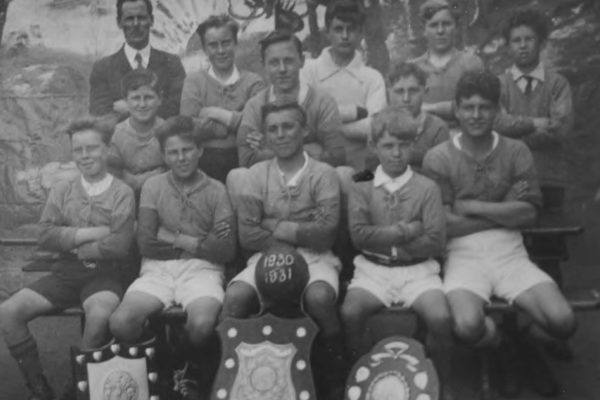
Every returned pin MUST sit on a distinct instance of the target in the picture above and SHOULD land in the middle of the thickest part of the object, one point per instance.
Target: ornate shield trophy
(396, 368)
(116, 372)
(268, 357)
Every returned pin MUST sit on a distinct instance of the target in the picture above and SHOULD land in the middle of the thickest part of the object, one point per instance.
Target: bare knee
(12, 314)
(562, 324)
(439, 322)
(240, 300)
(200, 328)
(469, 328)
(126, 326)
(353, 313)
(318, 297)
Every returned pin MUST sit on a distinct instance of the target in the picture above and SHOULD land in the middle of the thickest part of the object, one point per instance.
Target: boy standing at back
(397, 223)
(490, 191)
(215, 97)
(358, 90)
(134, 150)
(537, 103)
(186, 234)
(293, 200)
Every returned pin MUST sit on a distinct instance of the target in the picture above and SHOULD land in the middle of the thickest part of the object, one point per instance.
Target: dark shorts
(71, 287)
(217, 163)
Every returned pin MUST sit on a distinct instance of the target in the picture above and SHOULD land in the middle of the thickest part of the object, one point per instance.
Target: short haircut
(405, 70)
(431, 7)
(90, 123)
(179, 125)
(277, 107)
(533, 19)
(120, 8)
(136, 78)
(344, 10)
(482, 83)
(279, 36)
(398, 122)
(218, 21)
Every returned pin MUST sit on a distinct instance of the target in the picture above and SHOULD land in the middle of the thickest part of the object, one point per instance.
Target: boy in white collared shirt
(397, 223)
(358, 90)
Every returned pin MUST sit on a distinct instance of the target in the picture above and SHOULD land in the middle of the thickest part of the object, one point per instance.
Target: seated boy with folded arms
(397, 223)
(89, 220)
(292, 200)
(490, 191)
(134, 151)
(186, 233)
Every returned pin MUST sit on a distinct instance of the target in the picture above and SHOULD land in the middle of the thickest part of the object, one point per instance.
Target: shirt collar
(391, 184)
(96, 188)
(293, 181)
(302, 93)
(130, 53)
(538, 73)
(233, 78)
(456, 140)
(326, 67)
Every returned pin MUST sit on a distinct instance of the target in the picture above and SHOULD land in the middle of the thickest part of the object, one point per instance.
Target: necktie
(529, 84)
(138, 61)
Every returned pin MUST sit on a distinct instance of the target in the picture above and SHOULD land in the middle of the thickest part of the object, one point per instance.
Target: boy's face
(408, 94)
(393, 154)
(219, 46)
(90, 154)
(143, 104)
(524, 46)
(282, 64)
(440, 30)
(344, 37)
(284, 133)
(181, 156)
(476, 115)
(135, 23)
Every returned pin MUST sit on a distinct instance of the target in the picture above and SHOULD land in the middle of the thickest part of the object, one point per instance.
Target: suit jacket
(105, 81)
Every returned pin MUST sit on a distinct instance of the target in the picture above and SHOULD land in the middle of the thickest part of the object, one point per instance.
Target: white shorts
(180, 281)
(396, 285)
(321, 267)
(491, 263)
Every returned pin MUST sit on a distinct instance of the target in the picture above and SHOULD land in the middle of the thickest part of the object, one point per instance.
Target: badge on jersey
(396, 368)
(265, 358)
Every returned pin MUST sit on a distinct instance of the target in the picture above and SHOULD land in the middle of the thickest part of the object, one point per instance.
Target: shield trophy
(116, 372)
(396, 368)
(268, 357)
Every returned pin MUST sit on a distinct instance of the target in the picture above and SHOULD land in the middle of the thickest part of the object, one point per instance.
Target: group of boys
(196, 204)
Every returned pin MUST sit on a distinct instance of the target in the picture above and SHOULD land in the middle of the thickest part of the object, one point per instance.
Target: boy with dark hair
(340, 71)
(490, 191)
(537, 102)
(406, 88)
(215, 97)
(186, 234)
(282, 57)
(293, 200)
(90, 221)
(134, 151)
(397, 223)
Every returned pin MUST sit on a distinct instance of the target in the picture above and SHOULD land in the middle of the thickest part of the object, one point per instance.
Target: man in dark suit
(135, 18)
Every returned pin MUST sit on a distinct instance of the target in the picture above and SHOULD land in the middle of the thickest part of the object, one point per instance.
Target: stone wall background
(48, 47)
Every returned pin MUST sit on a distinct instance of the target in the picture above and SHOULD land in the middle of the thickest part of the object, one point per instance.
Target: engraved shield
(116, 372)
(396, 368)
(265, 358)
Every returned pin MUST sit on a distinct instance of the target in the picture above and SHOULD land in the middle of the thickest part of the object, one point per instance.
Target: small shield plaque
(396, 368)
(116, 371)
(265, 358)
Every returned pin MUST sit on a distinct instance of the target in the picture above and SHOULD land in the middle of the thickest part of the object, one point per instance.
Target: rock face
(45, 66)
